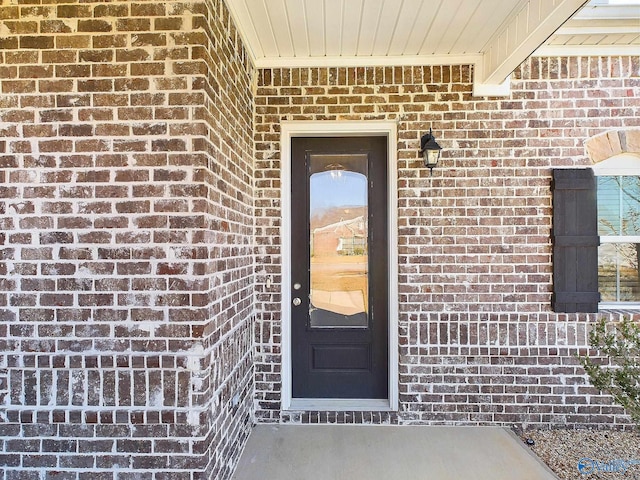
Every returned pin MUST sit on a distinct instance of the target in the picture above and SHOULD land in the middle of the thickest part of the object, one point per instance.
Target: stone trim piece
(615, 142)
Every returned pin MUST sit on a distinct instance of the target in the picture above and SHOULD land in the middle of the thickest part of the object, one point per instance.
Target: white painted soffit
(602, 27)
(493, 35)
(534, 23)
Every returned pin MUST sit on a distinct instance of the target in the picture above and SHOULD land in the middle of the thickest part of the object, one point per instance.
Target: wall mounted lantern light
(430, 151)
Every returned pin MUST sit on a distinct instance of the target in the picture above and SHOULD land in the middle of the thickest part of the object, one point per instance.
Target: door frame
(303, 128)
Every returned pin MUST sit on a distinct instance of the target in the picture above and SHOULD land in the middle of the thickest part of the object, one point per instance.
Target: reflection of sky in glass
(619, 205)
(337, 188)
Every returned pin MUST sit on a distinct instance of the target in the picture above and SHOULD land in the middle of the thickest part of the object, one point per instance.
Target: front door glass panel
(339, 241)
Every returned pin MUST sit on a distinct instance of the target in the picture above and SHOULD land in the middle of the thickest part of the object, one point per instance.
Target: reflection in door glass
(338, 241)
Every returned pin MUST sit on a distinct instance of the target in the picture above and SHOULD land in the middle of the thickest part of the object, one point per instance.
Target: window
(596, 236)
(618, 194)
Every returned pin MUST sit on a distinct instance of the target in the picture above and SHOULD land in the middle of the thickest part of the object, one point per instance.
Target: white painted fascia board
(585, 50)
(617, 30)
(482, 89)
(368, 61)
(620, 28)
(522, 36)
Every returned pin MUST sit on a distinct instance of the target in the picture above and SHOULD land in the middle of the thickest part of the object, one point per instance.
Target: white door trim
(288, 130)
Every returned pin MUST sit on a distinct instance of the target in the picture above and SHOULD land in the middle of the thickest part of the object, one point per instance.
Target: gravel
(561, 450)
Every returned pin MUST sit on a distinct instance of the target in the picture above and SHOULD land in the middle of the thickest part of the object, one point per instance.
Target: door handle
(297, 301)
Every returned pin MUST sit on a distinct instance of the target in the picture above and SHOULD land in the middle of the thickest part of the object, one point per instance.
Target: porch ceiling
(494, 35)
(600, 28)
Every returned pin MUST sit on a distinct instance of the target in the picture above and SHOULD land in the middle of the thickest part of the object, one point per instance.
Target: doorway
(339, 297)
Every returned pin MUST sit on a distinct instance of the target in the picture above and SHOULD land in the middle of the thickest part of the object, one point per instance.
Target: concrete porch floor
(349, 452)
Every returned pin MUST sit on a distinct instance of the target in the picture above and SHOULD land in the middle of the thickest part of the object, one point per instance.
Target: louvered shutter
(575, 241)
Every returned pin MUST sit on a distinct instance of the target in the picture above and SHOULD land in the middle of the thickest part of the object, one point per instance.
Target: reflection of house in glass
(618, 274)
(346, 237)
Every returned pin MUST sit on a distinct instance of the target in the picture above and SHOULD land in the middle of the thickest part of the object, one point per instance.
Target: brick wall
(130, 205)
(126, 206)
(479, 343)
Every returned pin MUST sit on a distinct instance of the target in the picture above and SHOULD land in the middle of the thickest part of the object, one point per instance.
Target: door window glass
(339, 241)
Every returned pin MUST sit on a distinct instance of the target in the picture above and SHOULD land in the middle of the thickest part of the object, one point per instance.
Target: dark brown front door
(339, 261)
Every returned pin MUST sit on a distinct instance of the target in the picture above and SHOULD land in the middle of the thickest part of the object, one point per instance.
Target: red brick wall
(126, 206)
(130, 206)
(479, 343)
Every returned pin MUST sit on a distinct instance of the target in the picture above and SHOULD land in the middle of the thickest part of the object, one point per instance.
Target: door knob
(296, 301)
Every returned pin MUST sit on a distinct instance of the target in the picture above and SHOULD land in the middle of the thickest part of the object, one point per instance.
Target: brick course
(126, 206)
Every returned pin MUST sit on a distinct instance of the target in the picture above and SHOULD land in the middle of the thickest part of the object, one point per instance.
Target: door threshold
(340, 404)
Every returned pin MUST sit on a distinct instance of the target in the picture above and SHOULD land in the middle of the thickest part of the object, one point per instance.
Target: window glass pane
(618, 276)
(339, 241)
(609, 205)
(630, 198)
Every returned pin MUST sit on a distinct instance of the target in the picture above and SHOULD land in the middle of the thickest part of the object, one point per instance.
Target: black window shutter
(575, 241)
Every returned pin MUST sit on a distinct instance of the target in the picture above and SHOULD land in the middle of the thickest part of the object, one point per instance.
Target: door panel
(339, 267)
(341, 357)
